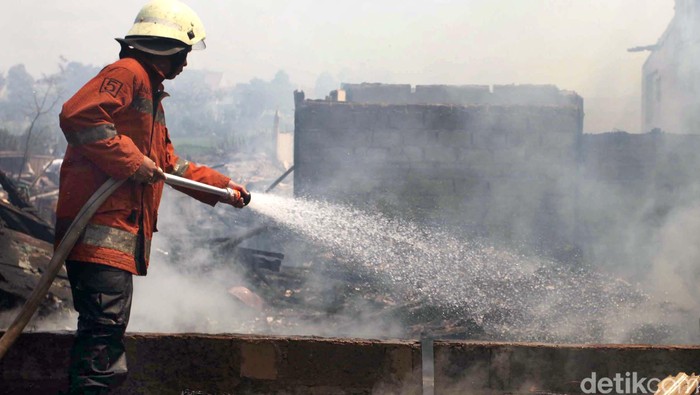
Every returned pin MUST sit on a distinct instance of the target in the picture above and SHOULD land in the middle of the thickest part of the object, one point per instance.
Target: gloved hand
(239, 197)
(148, 172)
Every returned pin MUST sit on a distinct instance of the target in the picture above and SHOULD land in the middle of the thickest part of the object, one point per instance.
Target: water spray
(511, 295)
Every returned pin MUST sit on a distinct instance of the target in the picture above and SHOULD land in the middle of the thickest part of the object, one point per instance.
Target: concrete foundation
(226, 364)
(246, 364)
(510, 368)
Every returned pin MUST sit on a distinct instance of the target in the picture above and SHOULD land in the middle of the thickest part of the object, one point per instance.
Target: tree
(20, 87)
(45, 97)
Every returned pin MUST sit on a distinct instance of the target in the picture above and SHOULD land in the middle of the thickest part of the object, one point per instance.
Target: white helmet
(171, 20)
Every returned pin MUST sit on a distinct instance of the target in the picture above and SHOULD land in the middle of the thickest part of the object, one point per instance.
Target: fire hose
(71, 237)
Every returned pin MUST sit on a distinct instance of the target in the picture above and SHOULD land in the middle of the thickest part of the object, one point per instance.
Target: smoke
(511, 296)
(181, 299)
(187, 287)
(674, 271)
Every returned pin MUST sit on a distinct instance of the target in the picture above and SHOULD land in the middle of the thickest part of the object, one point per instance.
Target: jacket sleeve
(183, 168)
(87, 122)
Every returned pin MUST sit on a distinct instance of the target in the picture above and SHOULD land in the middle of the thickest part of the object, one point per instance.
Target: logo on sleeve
(111, 86)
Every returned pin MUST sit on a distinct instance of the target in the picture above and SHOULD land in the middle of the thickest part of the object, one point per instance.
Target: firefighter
(115, 128)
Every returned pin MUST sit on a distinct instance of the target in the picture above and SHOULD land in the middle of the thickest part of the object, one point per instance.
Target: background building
(671, 75)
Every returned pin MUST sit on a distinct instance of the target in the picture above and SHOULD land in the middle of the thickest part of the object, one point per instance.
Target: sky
(578, 45)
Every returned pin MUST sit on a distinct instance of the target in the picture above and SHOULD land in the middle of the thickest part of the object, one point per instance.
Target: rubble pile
(26, 245)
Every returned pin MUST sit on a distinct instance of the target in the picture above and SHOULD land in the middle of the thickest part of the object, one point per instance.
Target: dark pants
(102, 298)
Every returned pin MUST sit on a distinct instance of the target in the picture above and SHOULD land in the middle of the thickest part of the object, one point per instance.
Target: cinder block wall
(226, 364)
(509, 162)
(503, 170)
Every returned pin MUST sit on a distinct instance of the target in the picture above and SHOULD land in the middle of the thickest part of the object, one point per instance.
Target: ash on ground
(297, 267)
(322, 272)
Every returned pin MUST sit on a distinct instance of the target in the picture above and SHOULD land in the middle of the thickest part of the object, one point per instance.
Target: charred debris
(287, 285)
(277, 294)
(282, 295)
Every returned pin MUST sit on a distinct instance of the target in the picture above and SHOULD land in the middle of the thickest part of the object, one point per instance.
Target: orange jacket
(110, 124)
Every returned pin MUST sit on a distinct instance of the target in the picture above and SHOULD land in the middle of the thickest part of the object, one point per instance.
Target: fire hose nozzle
(246, 198)
(198, 186)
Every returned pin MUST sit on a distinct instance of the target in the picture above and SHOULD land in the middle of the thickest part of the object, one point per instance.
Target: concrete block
(404, 118)
(433, 184)
(476, 157)
(470, 185)
(515, 156)
(420, 137)
(368, 117)
(560, 142)
(412, 153)
(339, 116)
(443, 118)
(438, 153)
(315, 115)
(386, 138)
(509, 119)
(490, 139)
(455, 138)
(371, 154)
(350, 138)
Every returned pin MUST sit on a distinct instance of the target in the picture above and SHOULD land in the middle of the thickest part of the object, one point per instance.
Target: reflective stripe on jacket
(110, 124)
